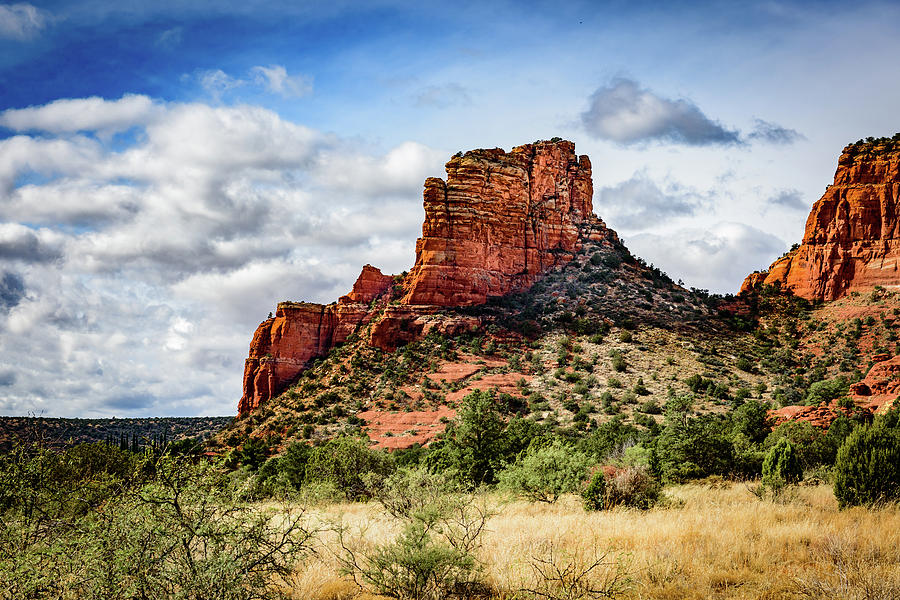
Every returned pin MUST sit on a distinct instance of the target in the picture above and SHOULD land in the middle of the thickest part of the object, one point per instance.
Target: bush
(696, 383)
(179, 531)
(633, 487)
(826, 390)
(812, 446)
(640, 389)
(594, 495)
(781, 466)
(650, 407)
(867, 469)
(542, 474)
(418, 566)
(432, 558)
(350, 465)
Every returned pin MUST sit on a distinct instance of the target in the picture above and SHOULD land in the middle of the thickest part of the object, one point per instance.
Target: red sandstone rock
(400, 325)
(852, 237)
(285, 345)
(394, 430)
(370, 284)
(881, 386)
(500, 220)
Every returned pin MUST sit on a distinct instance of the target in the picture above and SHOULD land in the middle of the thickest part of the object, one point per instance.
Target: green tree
(542, 474)
(695, 447)
(594, 495)
(867, 469)
(350, 465)
(781, 466)
(474, 442)
(826, 390)
(751, 419)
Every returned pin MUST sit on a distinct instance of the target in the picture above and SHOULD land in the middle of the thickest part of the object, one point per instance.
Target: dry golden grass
(710, 542)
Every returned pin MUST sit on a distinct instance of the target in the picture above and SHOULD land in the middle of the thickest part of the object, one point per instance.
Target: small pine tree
(781, 466)
(595, 494)
(867, 469)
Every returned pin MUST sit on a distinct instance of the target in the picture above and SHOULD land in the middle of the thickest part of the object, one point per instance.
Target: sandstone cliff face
(852, 237)
(498, 222)
(283, 346)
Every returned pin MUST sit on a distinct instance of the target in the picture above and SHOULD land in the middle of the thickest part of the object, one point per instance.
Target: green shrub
(545, 473)
(640, 389)
(418, 566)
(432, 558)
(180, 531)
(594, 495)
(696, 383)
(645, 420)
(781, 466)
(625, 337)
(350, 465)
(651, 407)
(826, 390)
(812, 446)
(867, 469)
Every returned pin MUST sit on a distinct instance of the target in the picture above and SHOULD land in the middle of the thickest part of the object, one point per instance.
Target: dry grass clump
(705, 542)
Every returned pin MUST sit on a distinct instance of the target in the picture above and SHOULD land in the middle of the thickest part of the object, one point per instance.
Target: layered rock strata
(284, 345)
(499, 221)
(494, 227)
(852, 237)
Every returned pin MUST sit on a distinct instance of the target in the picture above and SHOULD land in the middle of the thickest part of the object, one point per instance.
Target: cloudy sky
(171, 170)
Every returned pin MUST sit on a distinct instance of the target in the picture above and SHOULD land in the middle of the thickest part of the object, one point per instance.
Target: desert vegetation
(502, 506)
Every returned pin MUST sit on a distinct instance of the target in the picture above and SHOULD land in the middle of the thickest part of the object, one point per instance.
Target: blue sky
(170, 170)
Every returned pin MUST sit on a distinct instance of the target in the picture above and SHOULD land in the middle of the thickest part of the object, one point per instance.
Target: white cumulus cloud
(711, 258)
(624, 112)
(136, 270)
(83, 114)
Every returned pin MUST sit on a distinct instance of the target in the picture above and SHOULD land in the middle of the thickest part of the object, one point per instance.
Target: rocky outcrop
(881, 386)
(370, 284)
(494, 227)
(283, 346)
(400, 325)
(852, 237)
(499, 221)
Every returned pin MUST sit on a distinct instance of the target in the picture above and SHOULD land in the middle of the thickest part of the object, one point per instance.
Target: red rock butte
(499, 222)
(852, 237)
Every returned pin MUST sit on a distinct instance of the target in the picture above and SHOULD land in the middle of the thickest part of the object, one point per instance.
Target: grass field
(708, 541)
